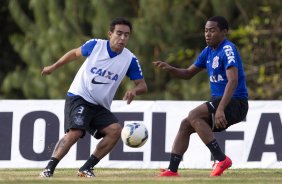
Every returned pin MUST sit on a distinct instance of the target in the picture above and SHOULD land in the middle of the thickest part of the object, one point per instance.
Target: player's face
(214, 36)
(119, 37)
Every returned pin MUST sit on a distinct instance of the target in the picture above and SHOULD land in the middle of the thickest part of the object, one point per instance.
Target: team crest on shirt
(78, 120)
(215, 62)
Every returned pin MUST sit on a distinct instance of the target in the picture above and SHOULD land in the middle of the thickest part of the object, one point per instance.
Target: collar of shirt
(111, 53)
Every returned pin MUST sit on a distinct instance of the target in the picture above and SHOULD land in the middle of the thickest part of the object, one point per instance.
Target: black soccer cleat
(86, 173)
(46, 173)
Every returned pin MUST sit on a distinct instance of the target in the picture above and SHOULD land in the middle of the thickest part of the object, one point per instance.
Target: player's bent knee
(114, 130)
(196, 123)
(192, 115)
(74, 133)
(116, 126)
(185, 125)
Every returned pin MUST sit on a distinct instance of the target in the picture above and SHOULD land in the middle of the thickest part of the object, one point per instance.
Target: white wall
(30, 128)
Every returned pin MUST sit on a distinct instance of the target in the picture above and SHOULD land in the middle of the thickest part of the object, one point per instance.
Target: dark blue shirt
(217, 61)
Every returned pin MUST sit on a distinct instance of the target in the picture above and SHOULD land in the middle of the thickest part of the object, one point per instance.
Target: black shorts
(235, 111)
(80, 114)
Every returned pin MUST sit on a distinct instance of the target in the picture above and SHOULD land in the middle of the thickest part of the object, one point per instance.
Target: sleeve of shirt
(201, 59)
(87, 47)
(231, 57)
(134, 71)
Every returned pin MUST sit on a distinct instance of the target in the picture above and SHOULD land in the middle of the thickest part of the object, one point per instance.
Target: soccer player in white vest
(229, 96)
(88, 100)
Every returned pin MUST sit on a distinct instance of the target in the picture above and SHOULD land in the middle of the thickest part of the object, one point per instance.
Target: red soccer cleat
(168, 173)
(220, 167)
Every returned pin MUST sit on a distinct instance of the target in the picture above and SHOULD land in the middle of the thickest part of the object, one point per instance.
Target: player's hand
(129, 95)
(162, 65)
(47, 70)
(220, 120)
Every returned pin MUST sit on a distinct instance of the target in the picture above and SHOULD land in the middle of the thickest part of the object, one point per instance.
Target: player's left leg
(202, 123)
(235, 111)
(111, 135)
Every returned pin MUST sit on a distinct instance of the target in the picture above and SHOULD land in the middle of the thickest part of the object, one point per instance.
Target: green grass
(148, 176)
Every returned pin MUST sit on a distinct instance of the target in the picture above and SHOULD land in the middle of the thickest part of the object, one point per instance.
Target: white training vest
(100, 75)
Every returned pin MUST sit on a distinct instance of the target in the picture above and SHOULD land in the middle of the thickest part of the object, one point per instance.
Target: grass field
(134, 176)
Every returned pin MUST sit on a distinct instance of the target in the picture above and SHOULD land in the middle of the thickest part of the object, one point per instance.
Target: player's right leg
(61, 149)
(76, 120)
(180, 145)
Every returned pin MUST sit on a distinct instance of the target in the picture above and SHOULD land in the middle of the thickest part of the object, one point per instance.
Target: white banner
(29, 130)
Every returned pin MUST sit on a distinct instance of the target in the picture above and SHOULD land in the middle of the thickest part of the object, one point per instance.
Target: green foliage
(196, 88)
(261, 47)
(167, 33)
(48, 34)
(162, 30)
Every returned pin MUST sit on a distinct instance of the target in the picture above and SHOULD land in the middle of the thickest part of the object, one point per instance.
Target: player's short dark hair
(120, 20)
(221, 22)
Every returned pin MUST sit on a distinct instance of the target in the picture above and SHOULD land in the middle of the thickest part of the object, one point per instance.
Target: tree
(173, 32)
(261, 45)
(49, 31)
(9, 59)
(163, 34)
(51, 28)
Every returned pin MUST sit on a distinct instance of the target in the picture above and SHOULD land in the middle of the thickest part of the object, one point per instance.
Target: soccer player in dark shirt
(229, 96)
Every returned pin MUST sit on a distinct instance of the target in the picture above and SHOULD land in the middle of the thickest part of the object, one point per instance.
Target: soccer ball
(134, 134)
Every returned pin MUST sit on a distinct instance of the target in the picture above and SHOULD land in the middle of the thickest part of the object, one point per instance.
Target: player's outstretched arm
(181, 73)
(68, 57)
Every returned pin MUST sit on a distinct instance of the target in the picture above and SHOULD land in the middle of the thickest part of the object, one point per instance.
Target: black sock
(174, 162)
(216, 151)
(90, 163)
(52, 164)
